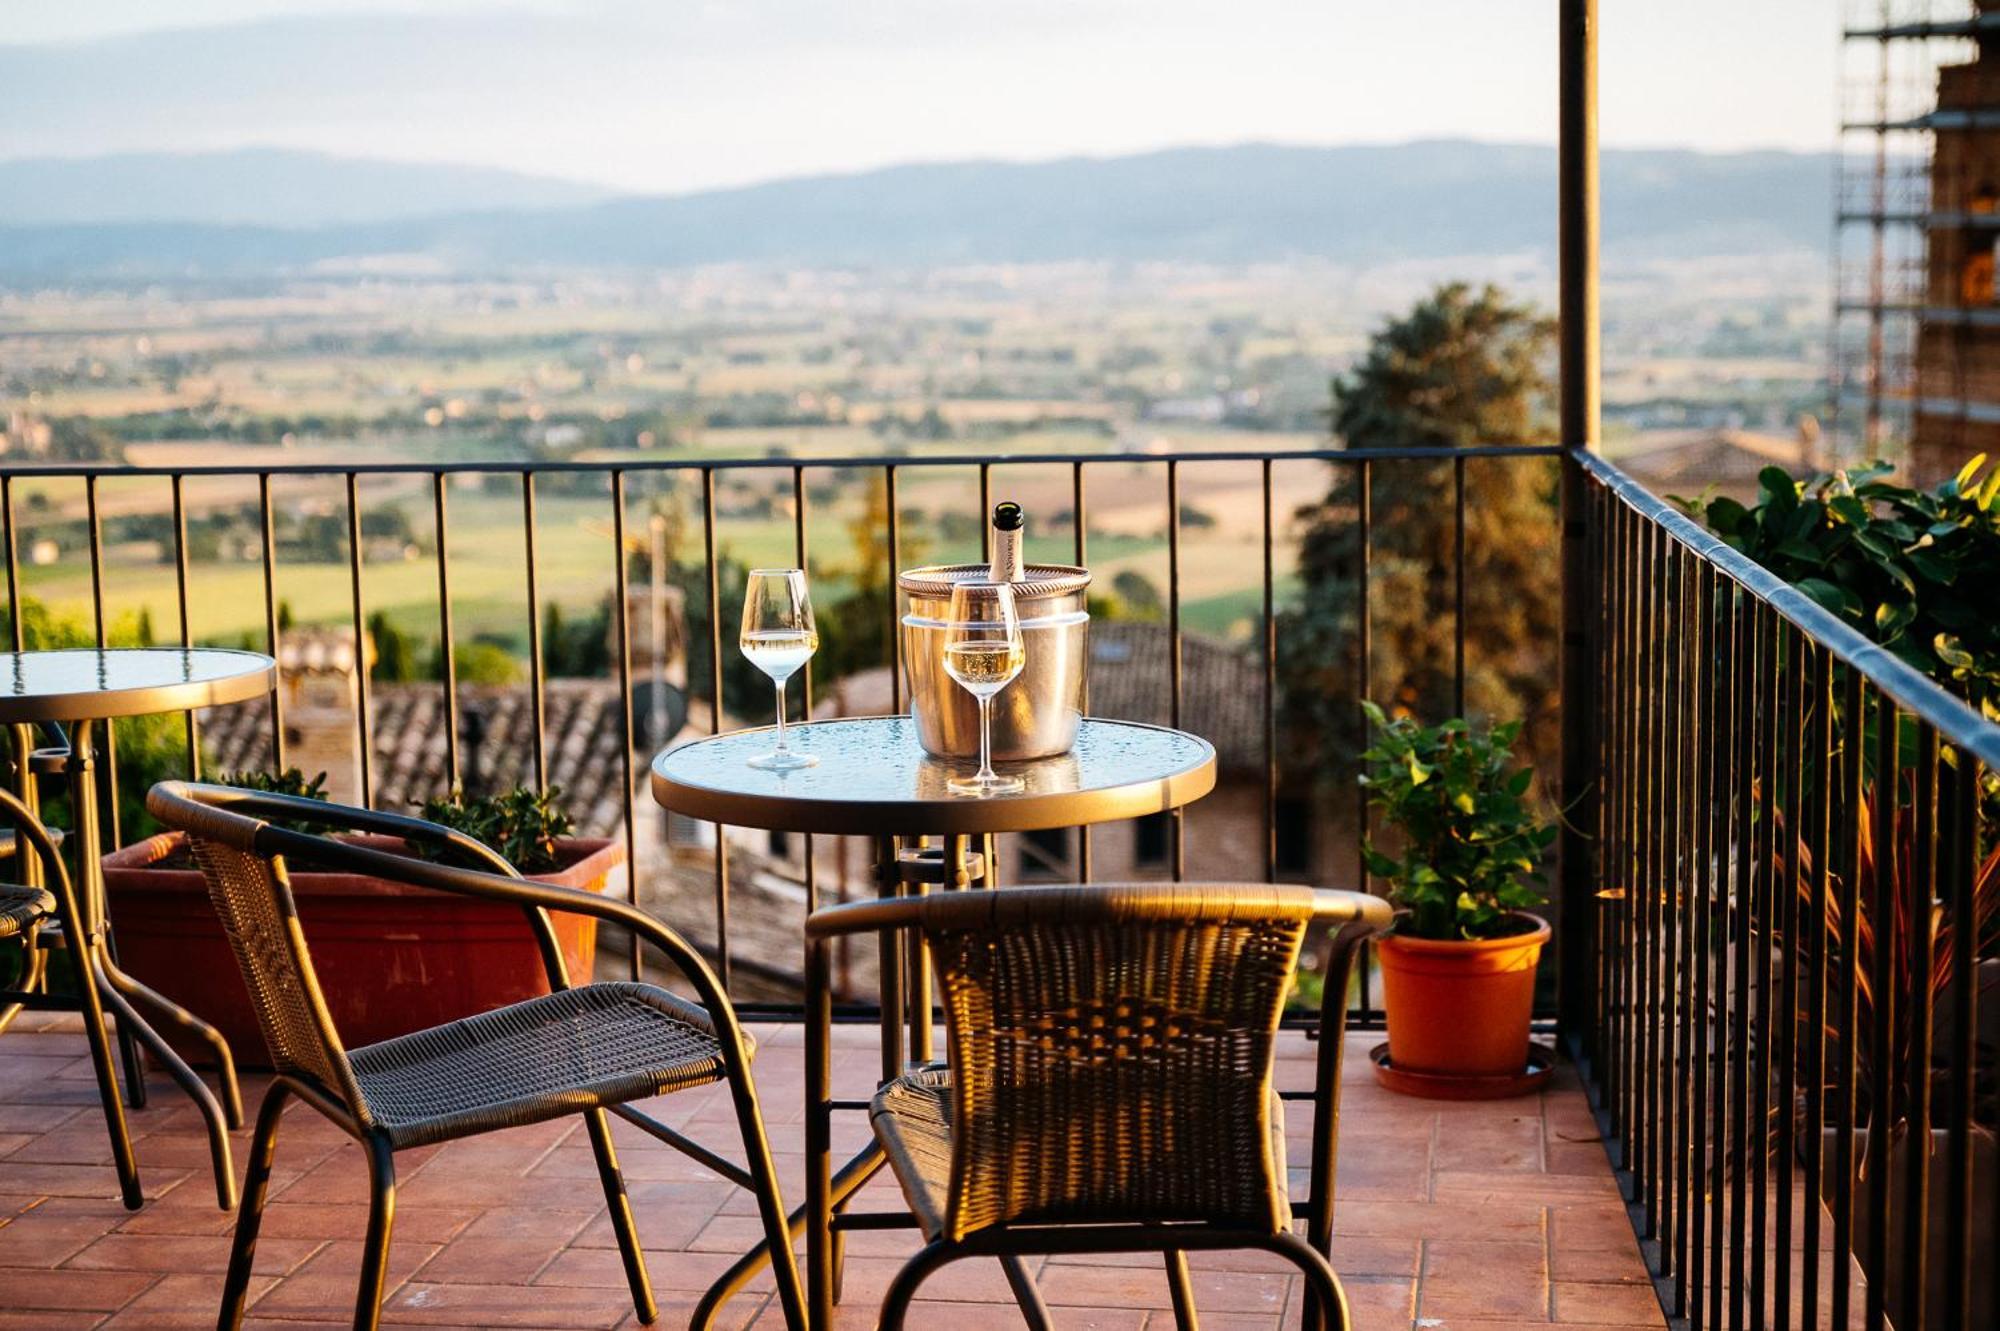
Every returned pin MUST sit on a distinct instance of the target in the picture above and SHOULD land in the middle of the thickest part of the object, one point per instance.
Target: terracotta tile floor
(1499, 1215)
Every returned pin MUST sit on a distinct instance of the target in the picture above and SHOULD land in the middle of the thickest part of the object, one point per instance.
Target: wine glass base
(784, 760)
(985, 785)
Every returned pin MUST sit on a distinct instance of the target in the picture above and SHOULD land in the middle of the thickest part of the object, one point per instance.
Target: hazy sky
(672, 95)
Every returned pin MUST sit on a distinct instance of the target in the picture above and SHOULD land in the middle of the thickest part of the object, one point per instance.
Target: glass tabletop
(874, 778)
(88, 684)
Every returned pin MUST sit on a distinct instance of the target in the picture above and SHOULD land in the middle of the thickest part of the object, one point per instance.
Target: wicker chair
(576, 1050)
(1109, 1085)
(44, 895)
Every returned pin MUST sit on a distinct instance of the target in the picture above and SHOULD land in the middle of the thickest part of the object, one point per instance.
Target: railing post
(1578, 215)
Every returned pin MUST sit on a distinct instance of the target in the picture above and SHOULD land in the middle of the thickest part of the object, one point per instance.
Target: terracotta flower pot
(1460, 1008)
(391, 958)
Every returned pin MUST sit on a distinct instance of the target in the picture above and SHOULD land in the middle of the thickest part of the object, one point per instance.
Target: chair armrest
(1364, 909)
(236, 818)
(179, 806)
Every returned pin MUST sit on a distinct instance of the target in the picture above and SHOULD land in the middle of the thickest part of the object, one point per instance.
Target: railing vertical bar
(1762, 901)
(14, 629)
(363, 724)
(1618, 695)
(1795, 708)
(1701, 912)
(1640, 898)
(181, 607)
(712, 571)
(1458, 587)
(1681, 936)
(1605, 752)
(986, 513)
(1852, 828)
(1923, 947)
(108, 732)
(1744, 864)
(1270, 662)
(1363, 687)
(1818, 833)
(1634, 696)
(447, 641)
(1961, 844)
(800, 556)
(1666, 898)
(1080, 550)
(1177, 819)
(537, 686)
(1882, 1004)
(272, 630)
(894, 625)
(1729, 640)
(621, 616)
(96, 534)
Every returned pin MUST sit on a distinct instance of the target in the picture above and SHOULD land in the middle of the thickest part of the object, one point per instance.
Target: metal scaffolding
(1915, 355)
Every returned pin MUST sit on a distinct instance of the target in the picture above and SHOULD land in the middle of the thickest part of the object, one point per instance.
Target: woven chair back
(1111, 1053)
(254, 902)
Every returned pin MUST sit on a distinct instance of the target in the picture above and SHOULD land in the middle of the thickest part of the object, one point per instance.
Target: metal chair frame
(237, 819)
(1352, 918)
(36, 850)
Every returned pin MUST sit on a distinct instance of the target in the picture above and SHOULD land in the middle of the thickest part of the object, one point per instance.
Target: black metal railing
(1794, 890)
(613, 481)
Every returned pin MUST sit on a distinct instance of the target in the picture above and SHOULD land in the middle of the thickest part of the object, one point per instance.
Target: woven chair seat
(21, 907)
(591, 1047)
(912, 1120)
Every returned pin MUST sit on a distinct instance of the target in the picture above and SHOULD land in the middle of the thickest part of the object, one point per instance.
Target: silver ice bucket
(1035, 716)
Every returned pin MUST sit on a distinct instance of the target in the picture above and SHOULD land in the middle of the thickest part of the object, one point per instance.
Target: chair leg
(381, 1219)
(128, 1045)
(1027, 1295)
(256, 1186)
(107, 1083)
(621, 1216)
(1322, 1285)
(770, 1203)
(1182, 1286)
(896, 1303)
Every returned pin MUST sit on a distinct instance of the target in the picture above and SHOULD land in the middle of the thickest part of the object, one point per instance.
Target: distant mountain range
(276, 187)
(259, 212)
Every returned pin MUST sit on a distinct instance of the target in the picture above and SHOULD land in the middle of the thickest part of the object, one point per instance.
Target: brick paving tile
(1493, 1216)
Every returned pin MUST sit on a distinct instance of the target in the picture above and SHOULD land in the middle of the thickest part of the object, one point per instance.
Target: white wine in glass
(778, 638)
(983, 652)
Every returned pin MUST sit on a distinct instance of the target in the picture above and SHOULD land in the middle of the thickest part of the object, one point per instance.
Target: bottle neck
(1006, 565)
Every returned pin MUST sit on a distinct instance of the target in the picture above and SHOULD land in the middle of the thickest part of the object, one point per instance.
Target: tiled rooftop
(1489, 1215)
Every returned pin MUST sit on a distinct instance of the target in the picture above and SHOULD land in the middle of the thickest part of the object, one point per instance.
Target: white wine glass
(983, 652)
(778, 638)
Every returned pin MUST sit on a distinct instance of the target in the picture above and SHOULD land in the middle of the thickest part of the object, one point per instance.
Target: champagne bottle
(1008, 522)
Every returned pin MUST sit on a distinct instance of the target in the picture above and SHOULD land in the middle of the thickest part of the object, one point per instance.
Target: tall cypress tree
(1462, 368)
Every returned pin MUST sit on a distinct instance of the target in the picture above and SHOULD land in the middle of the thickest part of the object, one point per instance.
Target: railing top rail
(505, 467)
(1913, 691)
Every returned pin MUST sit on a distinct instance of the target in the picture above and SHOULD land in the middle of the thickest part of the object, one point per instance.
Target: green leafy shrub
(1914, 570)
(1471, 844)
(522, 824)
(291, 781)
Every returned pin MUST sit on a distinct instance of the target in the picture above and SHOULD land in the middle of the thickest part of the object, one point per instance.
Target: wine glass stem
(781, 717)
(986, 737)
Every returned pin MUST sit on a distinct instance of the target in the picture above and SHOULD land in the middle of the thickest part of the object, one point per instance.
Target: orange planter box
(391, 958)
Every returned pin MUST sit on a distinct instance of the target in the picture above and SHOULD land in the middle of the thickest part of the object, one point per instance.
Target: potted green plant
(391, 957)
(1458, 964)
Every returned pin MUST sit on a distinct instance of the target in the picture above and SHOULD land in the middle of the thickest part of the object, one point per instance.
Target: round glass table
(78, 690)
(874, 780)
